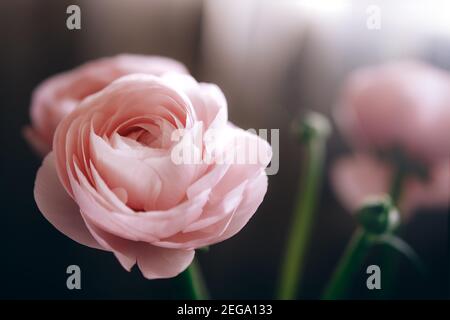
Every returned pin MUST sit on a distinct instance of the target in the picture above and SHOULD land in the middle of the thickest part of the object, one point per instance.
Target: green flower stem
(376, 218)
(349, 264)
(314, 132)
(194, 282)
(390, 261)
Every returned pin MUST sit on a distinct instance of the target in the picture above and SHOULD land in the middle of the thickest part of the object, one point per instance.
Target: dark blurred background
(273, 60)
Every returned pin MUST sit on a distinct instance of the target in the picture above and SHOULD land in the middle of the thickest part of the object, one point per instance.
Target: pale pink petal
(59, 95)
(140, 226)
(160, 224)
(58, 207)
(217, 208)
(159, 263)
(209, 180)
(208, 100)
(230, 224)
(123, 249)
(117, 197)
(248, 153)
(253, 196)
(355, 178)
(238, 189)
(120, 170)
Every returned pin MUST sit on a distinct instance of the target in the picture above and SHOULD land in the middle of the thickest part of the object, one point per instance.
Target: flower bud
(378, 215)
(314, 125)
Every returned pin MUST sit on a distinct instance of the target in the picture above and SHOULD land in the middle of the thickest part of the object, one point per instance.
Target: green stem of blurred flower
(390, 260)
(314, 131)
(376, 218)
(349, 264)
(195, 284)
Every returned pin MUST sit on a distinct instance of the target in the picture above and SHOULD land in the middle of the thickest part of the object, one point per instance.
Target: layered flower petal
(59, 95)
(58, 207)
(115, 157)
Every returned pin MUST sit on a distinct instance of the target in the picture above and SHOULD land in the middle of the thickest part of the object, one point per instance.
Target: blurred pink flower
(57, 96)
(404, 105)
(355, 178)
(110, 181)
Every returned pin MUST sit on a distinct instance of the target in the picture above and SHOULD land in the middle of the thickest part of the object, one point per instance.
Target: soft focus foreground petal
(58, 207)
(123, 249)
(160, 263)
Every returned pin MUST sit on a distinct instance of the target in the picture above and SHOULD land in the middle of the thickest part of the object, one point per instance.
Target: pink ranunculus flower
(355, 178)
(57, 96)
(111, 183)
(403, 104)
